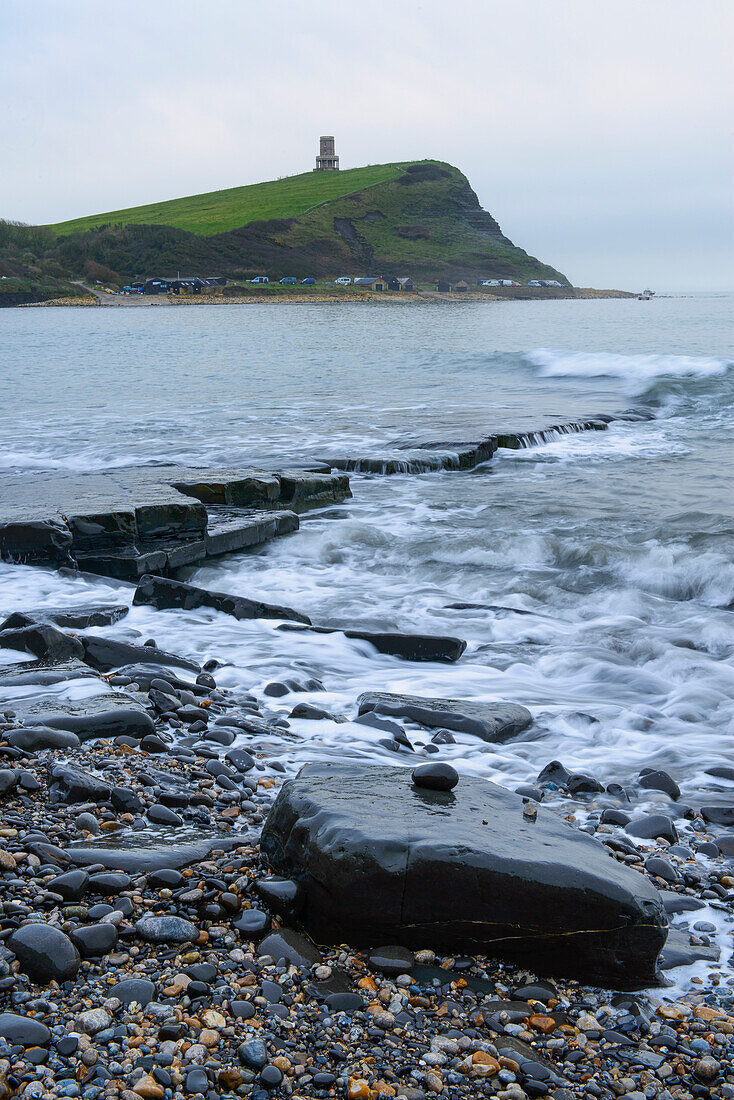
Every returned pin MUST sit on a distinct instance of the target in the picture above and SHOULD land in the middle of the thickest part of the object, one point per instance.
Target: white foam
(635, 371)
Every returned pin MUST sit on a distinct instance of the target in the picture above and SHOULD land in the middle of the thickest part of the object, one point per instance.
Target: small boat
(645, 296)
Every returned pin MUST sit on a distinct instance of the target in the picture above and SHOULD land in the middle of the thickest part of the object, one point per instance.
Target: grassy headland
(420, 219)
(220, 211)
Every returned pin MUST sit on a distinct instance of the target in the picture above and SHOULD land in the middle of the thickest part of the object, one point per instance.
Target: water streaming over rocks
(591, 574)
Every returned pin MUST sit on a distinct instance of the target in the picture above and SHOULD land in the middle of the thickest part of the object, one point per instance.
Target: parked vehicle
(260, 279)
(343, 280)
(288, 280)
(535, 282)
(491, 282)
(308, 281)
(510, 282)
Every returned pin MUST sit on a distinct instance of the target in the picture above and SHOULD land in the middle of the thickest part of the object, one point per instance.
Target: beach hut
(372, 282)
(156, 286)
(461, 287)
(407, 284)
(443, 287)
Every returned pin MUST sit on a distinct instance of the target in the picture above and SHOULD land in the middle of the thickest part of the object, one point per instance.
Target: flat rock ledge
(490, 721)
(382, 861)
(153, 519)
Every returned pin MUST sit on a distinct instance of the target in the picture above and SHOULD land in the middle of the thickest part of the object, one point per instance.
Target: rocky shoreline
(177, 920)
(147, 949)
(497, 294)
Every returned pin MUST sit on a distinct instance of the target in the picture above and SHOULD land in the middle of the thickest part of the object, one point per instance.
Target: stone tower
(327, 161)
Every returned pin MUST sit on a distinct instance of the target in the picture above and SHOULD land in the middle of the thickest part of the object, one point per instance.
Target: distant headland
(417, 221)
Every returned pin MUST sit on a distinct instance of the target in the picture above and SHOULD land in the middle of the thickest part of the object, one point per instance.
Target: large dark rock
(718, 815)
(107, 714)
(73, 618)
(42, 640)
(41, 737)
(105, 654)
(72, 886)
(409, 647)
(42, 675)
(652, 826)
(128, 990)
(69, 784)
(163, 593)
(23, 1030)
(381, 861)
(44, 953)
(291, 946)
(39, 539)
(146, 850)
(490, 721)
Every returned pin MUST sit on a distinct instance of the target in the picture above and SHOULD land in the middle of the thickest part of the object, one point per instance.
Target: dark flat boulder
(381, 861)
(41, 737)
(652, 826)
(43, 640)
(69, 784)
(490, 721)
(140, 990)
(107, 714)
(23, 1030)
(34, 672)
(679, 951)
(718, 815)
(105, 654)
(291, 946)
(409, 647)
(138, 853)
(72, 618)
(163, 593)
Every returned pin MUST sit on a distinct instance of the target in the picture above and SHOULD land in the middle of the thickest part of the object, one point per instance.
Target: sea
(601, 564)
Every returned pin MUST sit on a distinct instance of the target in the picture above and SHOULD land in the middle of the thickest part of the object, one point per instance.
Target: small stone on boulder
(435, 777)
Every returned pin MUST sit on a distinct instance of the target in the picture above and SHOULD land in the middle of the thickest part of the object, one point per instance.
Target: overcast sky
(599, 134)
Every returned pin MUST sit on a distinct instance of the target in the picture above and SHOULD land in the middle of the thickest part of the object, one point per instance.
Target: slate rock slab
(381, 861)
(74, 618)
(490, 721)
(43, 640)
(42, 675)
(41, 737)
(107, 714)
(104, 654)
(147, 850)
(408, 647)
(163, 593)
(286, 944)
(69, 784)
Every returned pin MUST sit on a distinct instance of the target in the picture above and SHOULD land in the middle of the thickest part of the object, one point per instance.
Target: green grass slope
(421, 219)
(220, 211)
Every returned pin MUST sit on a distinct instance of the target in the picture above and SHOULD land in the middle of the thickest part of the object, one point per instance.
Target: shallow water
(616, 546)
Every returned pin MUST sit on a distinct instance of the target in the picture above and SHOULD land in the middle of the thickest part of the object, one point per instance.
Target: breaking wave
(637, 373)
